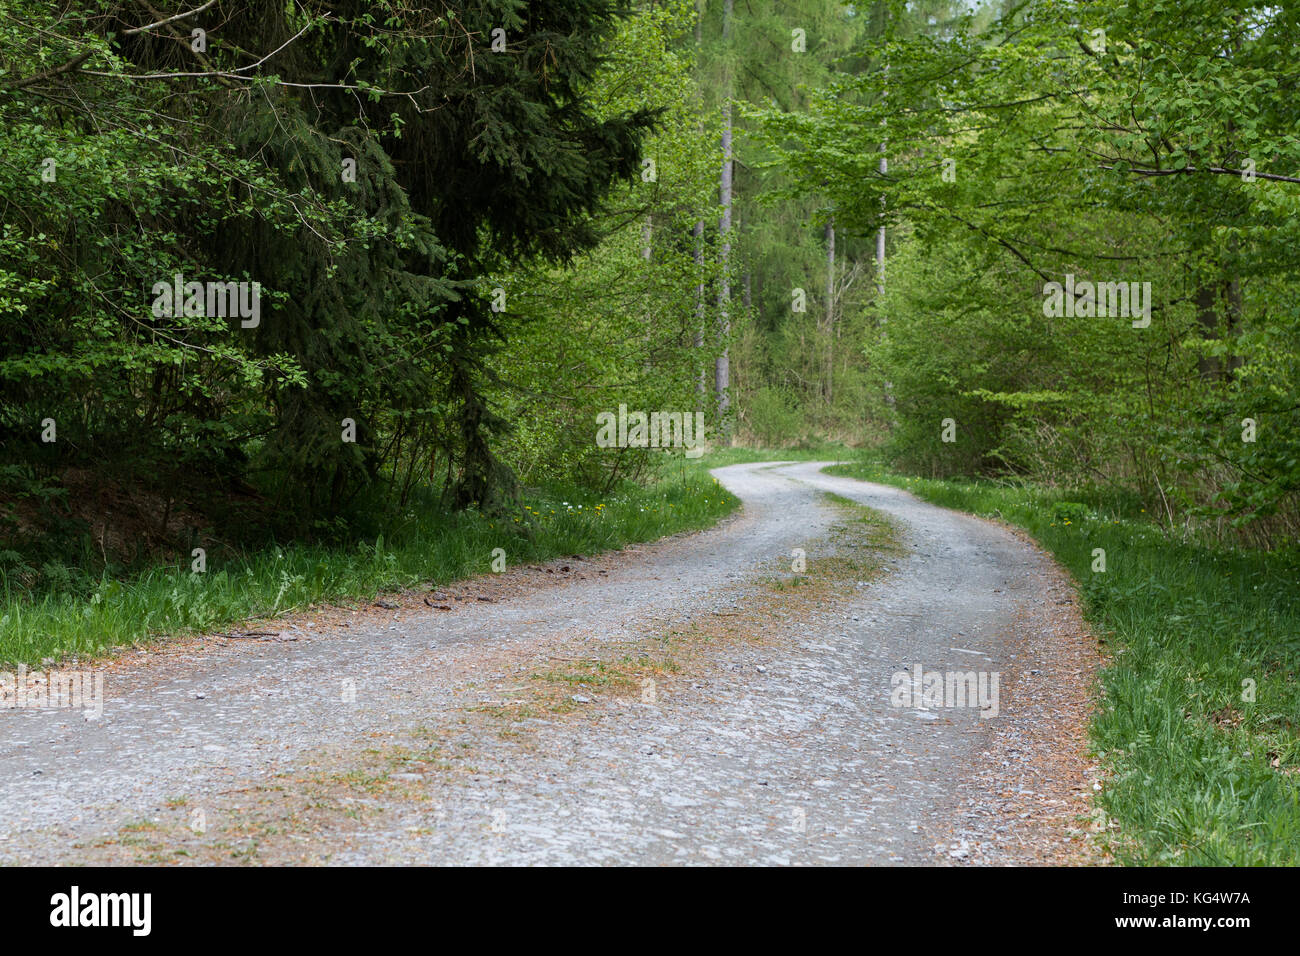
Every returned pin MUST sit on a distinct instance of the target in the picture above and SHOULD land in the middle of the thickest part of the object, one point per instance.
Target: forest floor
(696, 700)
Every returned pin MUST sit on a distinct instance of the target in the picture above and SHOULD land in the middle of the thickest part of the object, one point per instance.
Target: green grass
(1199, 773)
(427, 545)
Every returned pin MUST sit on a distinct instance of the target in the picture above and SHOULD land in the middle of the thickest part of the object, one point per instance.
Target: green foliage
(231, 163)
(1197, 724)
(423, 544)
(1111, 142)
(629, 307)
(773, 417)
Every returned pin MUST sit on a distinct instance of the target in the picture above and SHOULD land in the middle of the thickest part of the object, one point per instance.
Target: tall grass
(1200, 710)
(424, 545)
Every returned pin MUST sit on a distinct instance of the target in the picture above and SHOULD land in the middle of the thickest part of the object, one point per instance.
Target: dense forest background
(477, 226)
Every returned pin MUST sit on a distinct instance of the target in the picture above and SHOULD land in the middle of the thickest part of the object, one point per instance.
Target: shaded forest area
(470, 229)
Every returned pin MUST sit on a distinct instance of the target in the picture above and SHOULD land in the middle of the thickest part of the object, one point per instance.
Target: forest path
(688, 701)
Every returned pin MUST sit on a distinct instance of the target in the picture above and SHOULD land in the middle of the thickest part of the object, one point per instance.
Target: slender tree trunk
(1232, 308)
(722, 367)
(701, 387)
(880, 235)
(1207, 316)
(1232, 313)
(647, 242)
(1219, 305)
(880, 254)
(828, 387)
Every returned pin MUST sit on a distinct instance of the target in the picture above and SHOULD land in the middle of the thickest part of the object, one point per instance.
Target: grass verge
(1197, 726)
(425, 545)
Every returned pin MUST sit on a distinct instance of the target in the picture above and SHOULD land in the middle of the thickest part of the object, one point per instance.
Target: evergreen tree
(368, 164)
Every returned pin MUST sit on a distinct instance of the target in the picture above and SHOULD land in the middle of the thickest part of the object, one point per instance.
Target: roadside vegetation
(423, 545)
(1199, 717)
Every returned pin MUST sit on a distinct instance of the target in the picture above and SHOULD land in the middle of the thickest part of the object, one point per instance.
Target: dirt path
(691, 701)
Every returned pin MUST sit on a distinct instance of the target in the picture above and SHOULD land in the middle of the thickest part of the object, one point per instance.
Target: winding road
(415, 735)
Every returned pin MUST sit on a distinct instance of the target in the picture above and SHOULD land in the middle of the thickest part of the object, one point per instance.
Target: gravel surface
(689, 701)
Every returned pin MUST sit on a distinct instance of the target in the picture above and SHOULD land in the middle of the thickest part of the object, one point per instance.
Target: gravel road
(411, 735)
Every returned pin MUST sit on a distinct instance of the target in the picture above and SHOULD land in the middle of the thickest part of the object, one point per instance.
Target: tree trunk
(722, 367)
(828, 383)
(880, 234)
(1207, 316)
(880, 256)
(647, 240)
(701, 387)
